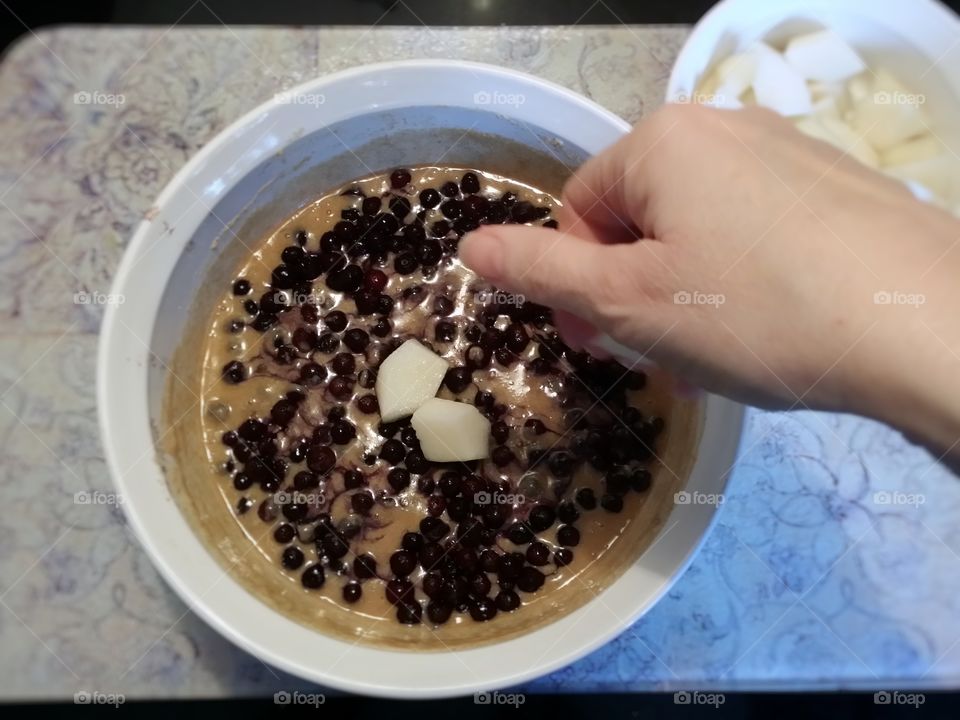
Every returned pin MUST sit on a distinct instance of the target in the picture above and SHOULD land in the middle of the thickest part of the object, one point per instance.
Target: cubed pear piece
(921, 148)
(735, 73)
(823, 56)
(858, 89)
(890, 114)
(409, 376)
(451, 431)
(723, 99)
(778, 86)
(821, 90)
(840, 135)
(940, 174)
(826, 106)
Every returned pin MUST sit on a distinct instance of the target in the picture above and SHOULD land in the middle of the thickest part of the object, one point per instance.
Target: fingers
(575, 331)
(595, 201)
(554, 268)
(610, 193)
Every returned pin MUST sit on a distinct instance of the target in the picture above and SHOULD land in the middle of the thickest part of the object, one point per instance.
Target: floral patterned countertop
(835, 559)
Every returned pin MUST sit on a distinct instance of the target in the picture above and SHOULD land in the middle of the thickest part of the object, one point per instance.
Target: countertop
(835, 559)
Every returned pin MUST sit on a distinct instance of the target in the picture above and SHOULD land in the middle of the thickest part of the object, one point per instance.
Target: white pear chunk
(889, 114)
(858, 89)
(921, 148)
(826, 107)
(820, 90)
(823, 56)
(940, 174)
(451, 431)
(735, 73)
(409, 376)
(840, 135)
(723, 99)
(778, 86)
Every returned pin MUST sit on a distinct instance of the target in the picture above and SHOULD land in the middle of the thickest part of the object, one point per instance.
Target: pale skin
(756, 263)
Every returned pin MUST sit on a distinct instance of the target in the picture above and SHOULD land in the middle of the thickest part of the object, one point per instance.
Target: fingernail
(482, 252)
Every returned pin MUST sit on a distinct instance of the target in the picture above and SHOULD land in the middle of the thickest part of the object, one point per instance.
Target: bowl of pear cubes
(880, 81)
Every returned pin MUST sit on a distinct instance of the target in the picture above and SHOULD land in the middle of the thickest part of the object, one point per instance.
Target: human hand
(772, 269)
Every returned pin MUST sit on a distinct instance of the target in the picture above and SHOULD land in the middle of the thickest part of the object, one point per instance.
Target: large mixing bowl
(249, 179)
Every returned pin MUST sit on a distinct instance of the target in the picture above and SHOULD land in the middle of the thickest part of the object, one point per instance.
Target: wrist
(911, 377)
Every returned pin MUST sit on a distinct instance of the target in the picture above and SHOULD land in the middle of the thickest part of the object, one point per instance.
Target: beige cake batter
(231, 521)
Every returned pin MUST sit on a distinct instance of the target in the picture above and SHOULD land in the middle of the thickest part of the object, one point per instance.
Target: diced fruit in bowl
(823, 56)
(411, 375)
(451, 431)
(824, 84)
(779, 86)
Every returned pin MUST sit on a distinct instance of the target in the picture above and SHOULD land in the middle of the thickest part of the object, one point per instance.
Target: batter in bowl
(282, 462)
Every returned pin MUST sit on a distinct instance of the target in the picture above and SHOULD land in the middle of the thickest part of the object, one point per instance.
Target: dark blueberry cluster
(458, 555)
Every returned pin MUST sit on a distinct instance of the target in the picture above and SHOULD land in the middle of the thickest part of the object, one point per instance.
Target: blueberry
(458, 379)
(405, 263)
(393, 451)
(430, 198)
(399, 479)
(541, 517)
(439, 612)
(335, 321)
(365, 566)
(611, 503)
(470, 183)
(234, 372)
(352, 592)
(292, 558)
(568, 536)
(399, 178)
(445, 331)
(403, 562)
(530, 579)
(483, 609)
(313, 577)
(356, 339)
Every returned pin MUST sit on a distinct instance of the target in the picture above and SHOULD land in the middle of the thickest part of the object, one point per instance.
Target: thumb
(551, 267)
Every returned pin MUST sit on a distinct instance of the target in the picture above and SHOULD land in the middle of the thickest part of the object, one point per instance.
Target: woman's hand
(754, 262)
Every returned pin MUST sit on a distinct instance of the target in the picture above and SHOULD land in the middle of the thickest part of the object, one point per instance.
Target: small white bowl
(918, 40)
(261, 168)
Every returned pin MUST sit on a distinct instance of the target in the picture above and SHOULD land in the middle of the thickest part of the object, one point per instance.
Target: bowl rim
(728, 414)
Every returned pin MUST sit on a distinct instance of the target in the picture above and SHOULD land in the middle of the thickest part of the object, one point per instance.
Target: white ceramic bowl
(918, 40)
(255, 173)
